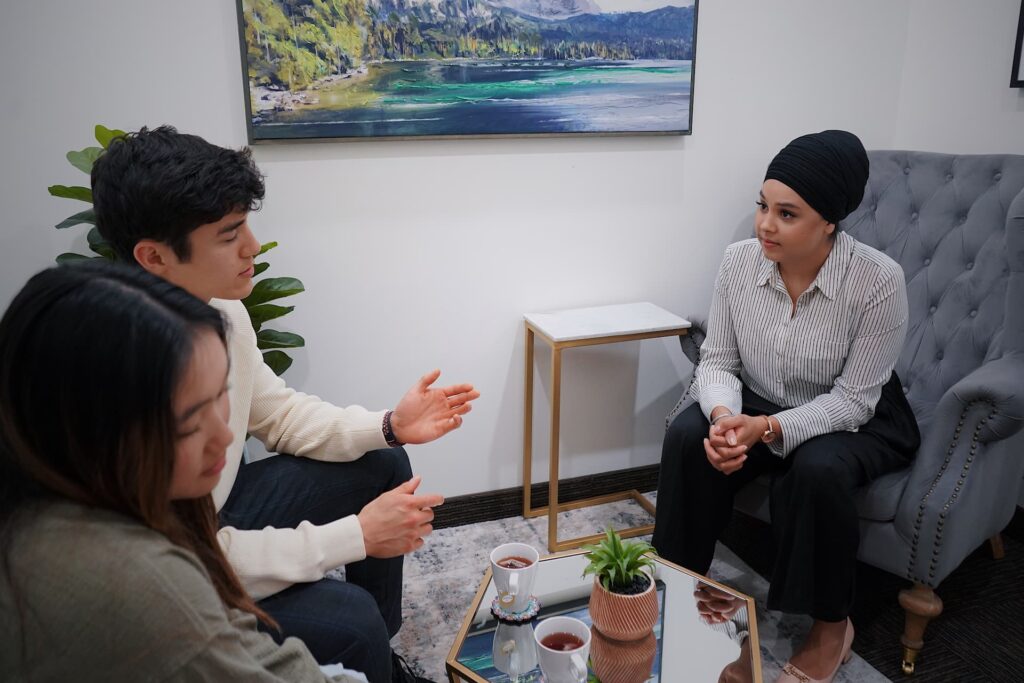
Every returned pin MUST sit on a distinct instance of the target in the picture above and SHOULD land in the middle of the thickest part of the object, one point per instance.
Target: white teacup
(514, 651)
(514, 584)
(563, 666)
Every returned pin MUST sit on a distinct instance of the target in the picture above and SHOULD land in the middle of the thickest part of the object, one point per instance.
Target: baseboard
(491, 505)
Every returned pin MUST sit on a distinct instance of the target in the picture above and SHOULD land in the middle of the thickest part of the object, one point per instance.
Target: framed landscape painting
(358, 69)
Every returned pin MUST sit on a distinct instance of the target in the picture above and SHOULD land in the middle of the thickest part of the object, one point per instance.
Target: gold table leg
(528, 425)
(556, 404)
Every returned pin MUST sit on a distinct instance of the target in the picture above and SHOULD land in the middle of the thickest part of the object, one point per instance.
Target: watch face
(768, 437)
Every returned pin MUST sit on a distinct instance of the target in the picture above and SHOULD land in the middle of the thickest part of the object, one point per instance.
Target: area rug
(442, 577)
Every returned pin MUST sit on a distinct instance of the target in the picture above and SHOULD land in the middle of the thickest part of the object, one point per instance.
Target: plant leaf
(272, 339)
(273, 288)
(105, 135)
(279, 361)
(68, 256)
(87, 216)
(84, 159)
(264, 312)
(259, 268)
(100, 245)
(266, 247)
(82, 194)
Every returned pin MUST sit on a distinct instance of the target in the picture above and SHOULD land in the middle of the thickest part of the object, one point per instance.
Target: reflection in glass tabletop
(706, 631)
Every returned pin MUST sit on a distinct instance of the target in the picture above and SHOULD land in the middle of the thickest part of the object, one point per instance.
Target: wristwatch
(769, 434)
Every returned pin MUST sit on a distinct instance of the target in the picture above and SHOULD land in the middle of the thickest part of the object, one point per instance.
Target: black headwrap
(828, 170)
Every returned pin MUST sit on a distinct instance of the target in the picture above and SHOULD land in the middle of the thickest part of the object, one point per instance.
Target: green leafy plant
(616, 564)
(271, 342)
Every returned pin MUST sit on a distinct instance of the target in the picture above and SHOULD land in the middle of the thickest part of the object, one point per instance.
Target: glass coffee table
(706, 631)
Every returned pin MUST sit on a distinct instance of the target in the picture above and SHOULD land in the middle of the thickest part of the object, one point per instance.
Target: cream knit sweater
(286, 421)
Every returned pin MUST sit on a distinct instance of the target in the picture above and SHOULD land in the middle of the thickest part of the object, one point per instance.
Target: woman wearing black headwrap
(795, 379)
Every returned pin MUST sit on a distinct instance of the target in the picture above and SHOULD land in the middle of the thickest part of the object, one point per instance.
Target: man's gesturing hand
(396, 522)
(426, 413)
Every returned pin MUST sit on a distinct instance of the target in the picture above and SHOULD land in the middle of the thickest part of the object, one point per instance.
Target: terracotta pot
(623, 617)
(617, 661)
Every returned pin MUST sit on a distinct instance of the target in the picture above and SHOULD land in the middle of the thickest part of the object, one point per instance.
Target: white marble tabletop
(605, 321)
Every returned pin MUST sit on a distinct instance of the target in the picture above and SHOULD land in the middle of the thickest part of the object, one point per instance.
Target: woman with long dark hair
(113, 430)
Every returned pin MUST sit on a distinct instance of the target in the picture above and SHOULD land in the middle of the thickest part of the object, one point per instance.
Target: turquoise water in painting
(489, 97)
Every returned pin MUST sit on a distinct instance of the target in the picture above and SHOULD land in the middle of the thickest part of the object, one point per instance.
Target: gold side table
(569, 329)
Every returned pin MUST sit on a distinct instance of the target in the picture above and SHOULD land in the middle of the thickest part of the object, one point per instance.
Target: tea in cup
(514, 566)
(563, 645)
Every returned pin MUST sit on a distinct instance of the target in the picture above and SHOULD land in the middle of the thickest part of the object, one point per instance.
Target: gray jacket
(95, 596)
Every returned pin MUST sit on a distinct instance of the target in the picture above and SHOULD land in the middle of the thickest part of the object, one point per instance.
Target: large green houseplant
(271, 342)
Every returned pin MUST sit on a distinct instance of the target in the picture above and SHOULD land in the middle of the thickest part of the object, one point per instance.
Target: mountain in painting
(549, 9)
(291, 44)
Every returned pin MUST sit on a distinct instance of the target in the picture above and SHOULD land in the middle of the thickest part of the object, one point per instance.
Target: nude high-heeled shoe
(791, 674)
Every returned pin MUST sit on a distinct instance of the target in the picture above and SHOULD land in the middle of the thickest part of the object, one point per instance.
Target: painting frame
(257, 125)
(1017, 73)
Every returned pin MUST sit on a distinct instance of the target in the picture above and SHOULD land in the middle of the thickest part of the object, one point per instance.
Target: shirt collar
(830, 275)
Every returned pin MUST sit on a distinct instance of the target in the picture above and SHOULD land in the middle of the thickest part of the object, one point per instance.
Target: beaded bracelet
(389, 433)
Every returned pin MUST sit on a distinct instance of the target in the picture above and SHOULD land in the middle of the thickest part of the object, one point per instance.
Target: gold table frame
(553, 508)
(458, 672)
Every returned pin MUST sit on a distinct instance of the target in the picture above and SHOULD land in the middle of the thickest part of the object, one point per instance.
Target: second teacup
(563, 644)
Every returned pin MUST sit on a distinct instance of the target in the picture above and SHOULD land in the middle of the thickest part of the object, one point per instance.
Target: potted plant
(623, 603)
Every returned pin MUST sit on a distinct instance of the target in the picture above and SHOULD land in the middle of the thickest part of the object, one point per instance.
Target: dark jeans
(814, 516)
(348, 622)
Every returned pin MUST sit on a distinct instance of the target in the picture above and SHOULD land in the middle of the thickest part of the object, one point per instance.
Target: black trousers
(349, 622)
(814, 517)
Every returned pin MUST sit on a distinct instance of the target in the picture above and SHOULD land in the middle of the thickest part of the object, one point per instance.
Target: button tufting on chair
(973, 314)
(927, 261)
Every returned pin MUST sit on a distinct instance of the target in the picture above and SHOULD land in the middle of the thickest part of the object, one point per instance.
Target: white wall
(955, 96)
(423, 254)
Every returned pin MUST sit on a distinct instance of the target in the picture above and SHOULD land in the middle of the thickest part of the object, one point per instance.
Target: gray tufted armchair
(956, 226)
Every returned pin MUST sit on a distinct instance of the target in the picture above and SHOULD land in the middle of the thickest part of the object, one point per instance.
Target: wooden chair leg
(998, 552)
(921, 605)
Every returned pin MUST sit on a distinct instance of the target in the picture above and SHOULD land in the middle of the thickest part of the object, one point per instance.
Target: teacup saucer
(529, 612)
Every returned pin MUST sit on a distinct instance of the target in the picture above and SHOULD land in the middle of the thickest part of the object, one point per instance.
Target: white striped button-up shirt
(825, 362)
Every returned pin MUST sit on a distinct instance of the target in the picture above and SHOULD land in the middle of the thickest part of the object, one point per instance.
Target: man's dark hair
(161, 184)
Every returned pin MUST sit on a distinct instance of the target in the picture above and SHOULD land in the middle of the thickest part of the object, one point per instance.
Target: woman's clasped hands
(730, 439)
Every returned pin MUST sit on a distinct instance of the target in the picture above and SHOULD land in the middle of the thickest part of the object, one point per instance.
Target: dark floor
(980, 634)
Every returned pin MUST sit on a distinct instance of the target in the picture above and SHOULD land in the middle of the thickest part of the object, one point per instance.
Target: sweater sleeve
(269, 560)
(289, 421)
(289, 661)
(716, 380)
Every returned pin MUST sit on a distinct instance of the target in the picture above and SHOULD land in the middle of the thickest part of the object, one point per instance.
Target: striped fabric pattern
(826, 362)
